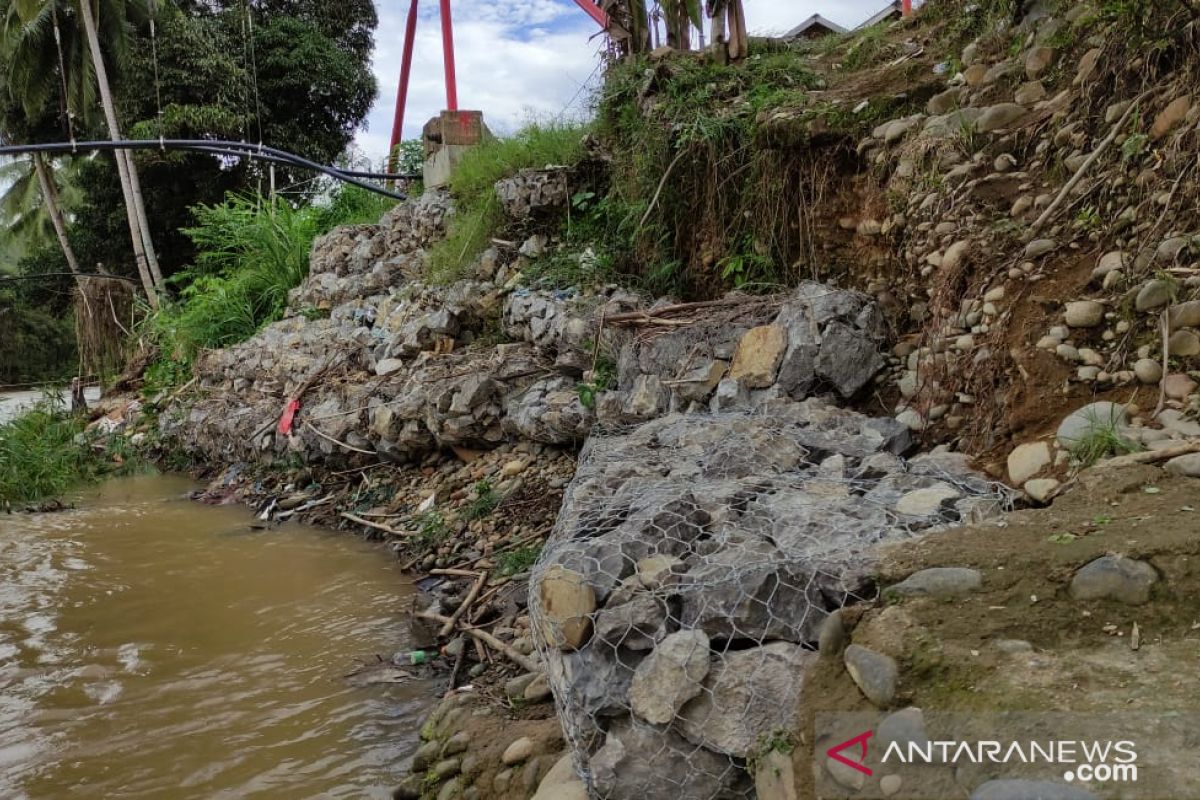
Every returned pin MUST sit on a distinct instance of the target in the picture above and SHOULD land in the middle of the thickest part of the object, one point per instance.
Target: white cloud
(528, 59)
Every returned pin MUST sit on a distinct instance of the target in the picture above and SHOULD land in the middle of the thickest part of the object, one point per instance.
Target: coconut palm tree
(54, 48)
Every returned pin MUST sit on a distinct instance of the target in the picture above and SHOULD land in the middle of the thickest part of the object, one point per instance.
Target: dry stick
(658, 192)
(523, 661)
(1166, 354)
(458, 662)
(377, 526)
(457, 573)
(326, 436)
(1152, 456)
(464, 605)
(1086, 165)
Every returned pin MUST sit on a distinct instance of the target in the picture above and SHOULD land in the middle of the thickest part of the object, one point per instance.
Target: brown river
(152, 647)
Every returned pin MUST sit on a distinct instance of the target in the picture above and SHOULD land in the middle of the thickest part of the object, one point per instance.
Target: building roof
(813, 24)
(893, 10)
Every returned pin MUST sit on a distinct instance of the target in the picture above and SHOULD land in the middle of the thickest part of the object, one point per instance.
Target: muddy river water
(152, 647)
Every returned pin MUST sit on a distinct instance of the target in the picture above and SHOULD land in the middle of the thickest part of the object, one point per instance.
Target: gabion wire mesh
(679, 601)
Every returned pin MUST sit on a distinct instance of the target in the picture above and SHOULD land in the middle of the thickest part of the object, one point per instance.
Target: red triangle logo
(858, 743)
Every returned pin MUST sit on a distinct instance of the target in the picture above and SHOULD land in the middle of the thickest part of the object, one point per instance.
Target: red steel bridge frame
(410, 29)
(592, 9)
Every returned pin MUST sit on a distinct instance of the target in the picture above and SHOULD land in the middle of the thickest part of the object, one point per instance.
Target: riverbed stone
(927, 501)
(1148, 371)
(1153, 295)
(1084, 314)
(875, 674)
(1018, 789)
(1186, 466)
(1041, 489)
(1170, 117)
(1185, 343)
(775, 777)
(670, 676)
(1114, 578)
(1027, 460)
(1039, 247)
(1091, 420)
(518, 752)
(1184, 315)
(1178, 386)
(999, 116)
(938, 582)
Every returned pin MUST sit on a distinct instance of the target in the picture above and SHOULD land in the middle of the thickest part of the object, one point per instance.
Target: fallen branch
(1052, 209)
(658, 192)
(523, 661)
(376, 525)
(1165, 323)
(329, 438)
(464, 605)
(1152, 456)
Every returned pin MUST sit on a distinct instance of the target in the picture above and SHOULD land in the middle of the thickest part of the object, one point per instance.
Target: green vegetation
(34, 345)
(485, 502)
(41, 455)
(432, 530)
(478, 214)
(1102, 439)
(515, 562)
(250, 253)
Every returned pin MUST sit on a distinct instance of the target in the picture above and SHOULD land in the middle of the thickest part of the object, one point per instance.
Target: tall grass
(251, 253)
(40, 455)
(477, 209)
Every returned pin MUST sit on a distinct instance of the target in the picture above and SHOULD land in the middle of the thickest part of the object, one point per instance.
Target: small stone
(1039, 247)
(446, 768)
(1029, 93)
(670, 676)
(775, 778)
(999, 116)
(845, 775)
(1019, 789)
(831, 640)
(889, 785)
(1148, 371)
(1068, 353)
(456, 744)
(1037, 61)
(1102, 417)
(1087, 65)
(927, 502)
(1028, 460)
(1040, 489)
(874, 673)
(1155, 294)
(1187, 466)
(426, 755)
(1084, 314)
(538, 690)
(1184, 343)
(1178, 386)
(1184, 315)
(758, 356)
(938, 582)
(911, 419)
(653, 571)
(1170, 117)
(518, 752)
(1108, 262)
(567, 604)
(512, 469)
(1114, 578)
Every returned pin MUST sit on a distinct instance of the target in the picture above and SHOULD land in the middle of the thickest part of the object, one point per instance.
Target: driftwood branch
(448, 627)
(376, 525)
(1065, 192)
(1152, 456)
(523, 661)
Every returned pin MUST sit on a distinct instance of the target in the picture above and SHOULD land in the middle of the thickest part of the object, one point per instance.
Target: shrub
(40, 455)
(477, 209)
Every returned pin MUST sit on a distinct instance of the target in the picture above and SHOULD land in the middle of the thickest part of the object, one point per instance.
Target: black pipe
(67, 275)
(214, 147)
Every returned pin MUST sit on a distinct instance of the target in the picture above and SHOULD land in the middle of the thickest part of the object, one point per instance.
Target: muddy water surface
(151, 647)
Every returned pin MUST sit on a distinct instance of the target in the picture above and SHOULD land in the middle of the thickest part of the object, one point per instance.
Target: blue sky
(526, 59)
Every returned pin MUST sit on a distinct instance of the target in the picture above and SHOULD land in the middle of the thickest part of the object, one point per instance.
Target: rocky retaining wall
(679, 603)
